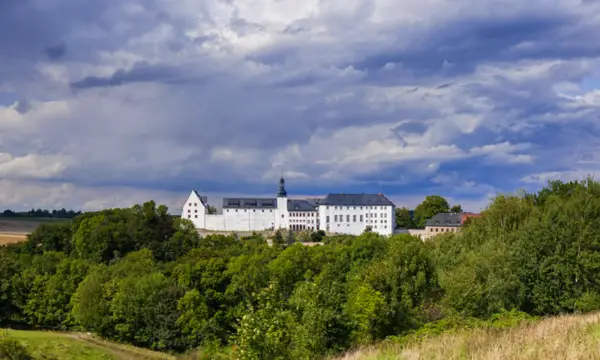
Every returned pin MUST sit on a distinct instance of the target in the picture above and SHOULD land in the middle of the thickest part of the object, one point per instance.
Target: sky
(114, 102)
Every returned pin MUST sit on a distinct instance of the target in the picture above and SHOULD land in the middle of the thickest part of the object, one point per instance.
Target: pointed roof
(281, 192)
(203, 199)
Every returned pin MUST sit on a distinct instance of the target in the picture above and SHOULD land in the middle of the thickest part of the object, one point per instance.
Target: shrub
(11, 349)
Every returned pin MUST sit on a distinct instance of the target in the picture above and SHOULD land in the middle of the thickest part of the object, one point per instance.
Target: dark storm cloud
(56, 52)
(467, 43)
(140, 72)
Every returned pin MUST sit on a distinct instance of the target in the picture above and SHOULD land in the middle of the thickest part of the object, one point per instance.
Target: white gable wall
(194, 210)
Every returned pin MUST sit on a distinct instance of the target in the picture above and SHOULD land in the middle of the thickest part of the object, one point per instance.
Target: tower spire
(281, 192)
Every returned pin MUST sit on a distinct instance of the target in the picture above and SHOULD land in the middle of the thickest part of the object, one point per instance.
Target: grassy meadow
(74, 346)
(561, 337)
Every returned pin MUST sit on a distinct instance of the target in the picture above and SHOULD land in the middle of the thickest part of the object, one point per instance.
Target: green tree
(49, 302)
(320, 326)
(50, 237)
(404, 218)
(432, 205)
(456, 209)
(8, 268)
(264, 331)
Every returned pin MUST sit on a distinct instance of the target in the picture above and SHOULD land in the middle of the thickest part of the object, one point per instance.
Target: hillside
(76, 346)
(563, 337)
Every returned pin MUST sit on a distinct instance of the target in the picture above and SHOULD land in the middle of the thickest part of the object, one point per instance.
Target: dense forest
(140, 276)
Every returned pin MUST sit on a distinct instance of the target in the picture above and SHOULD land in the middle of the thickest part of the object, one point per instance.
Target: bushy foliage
(140, 276)
(12, 349)
(537, 253)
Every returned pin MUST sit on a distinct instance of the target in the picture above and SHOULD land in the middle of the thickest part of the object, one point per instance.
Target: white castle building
(336, 213)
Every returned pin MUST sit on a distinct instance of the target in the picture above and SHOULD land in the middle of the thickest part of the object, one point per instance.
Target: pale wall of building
(431, 231)
(304, 219)
(342, 219)
(421, 233)
(248, 219)
(355, 219)
(195, 211)
(214, 222)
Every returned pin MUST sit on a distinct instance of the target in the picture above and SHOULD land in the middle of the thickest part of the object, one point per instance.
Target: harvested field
(6, 238)
(13, 230)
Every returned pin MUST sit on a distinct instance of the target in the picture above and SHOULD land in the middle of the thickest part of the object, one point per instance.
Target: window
(189, 216)
(195, 204)
(189, 211)
(327, 219)
(282, 216)
(327, 207)
(190, 204)
(354, 218)
(361, 218)
(355, 208)
(196, 216)
(196, 211)
(347, 218)
(334, 218)
(375, 215)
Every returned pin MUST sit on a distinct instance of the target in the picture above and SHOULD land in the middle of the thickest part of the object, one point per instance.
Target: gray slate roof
(249, 203)
(300, 205)
(204, 199)
(356, 200)
(314, 202)
(445, 219)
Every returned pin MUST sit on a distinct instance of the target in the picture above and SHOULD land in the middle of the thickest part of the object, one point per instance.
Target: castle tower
(282, 220)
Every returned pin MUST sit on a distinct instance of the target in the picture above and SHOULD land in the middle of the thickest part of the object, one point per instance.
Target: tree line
(431, 206)
(142, 277)
(39, 213)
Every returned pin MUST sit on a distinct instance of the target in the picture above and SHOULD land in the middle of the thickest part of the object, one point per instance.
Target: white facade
(354, 219)
(336, 213)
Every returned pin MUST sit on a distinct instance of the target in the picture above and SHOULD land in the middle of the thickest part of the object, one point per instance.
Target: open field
(77, 346)
(16, 229)
(7, 238)
(563, 337)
